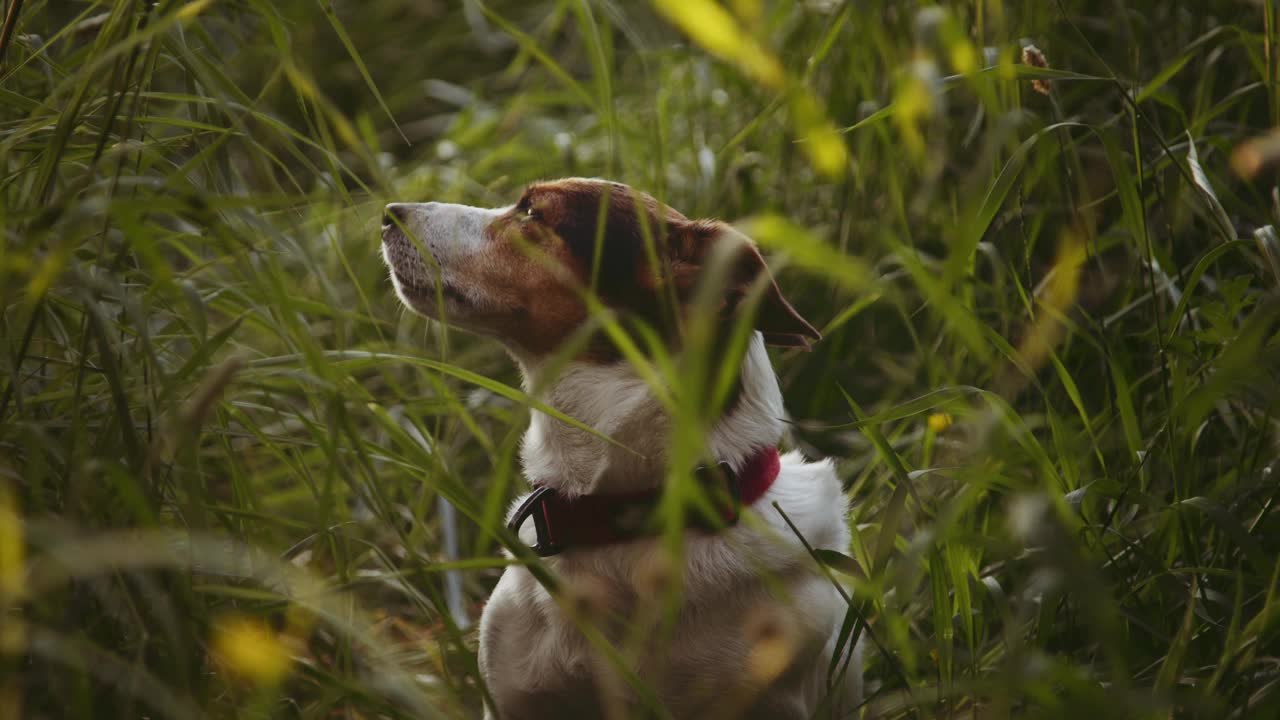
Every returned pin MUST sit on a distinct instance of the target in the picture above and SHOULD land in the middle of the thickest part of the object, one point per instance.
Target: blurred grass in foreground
(1049, 374)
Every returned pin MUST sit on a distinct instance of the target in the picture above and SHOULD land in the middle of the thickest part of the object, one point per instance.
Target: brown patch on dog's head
(525, 277)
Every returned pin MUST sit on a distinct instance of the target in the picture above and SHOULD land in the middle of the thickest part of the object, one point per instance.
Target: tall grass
(1048, 378)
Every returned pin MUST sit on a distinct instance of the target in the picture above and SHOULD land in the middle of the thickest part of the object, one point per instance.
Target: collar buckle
(536, 506)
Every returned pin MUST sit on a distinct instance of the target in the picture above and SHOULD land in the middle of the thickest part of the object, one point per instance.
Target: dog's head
(524, 273)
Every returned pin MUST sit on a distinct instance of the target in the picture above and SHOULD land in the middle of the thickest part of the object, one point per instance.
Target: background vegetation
(1049, 297)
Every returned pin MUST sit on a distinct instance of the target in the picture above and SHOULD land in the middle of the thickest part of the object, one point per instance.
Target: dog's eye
(526, 210)
(525, 207)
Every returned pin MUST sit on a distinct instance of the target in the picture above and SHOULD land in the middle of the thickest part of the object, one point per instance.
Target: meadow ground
(1046, 276)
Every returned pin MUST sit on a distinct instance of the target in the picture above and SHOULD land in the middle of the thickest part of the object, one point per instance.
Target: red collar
(591, 520)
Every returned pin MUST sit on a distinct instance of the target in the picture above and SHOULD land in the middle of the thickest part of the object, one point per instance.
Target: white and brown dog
(755, 627)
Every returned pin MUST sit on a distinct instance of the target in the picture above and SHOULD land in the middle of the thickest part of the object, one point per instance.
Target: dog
(756, 625)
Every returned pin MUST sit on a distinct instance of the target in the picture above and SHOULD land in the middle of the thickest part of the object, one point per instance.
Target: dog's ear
(714, 252)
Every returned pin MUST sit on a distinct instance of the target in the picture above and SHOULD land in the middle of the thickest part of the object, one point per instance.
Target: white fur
(532, 653)
(454, 233)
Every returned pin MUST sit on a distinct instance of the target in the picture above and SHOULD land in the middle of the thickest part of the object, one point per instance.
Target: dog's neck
(616, 402)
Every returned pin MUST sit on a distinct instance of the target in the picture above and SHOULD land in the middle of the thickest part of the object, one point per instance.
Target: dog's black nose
(392, 214)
